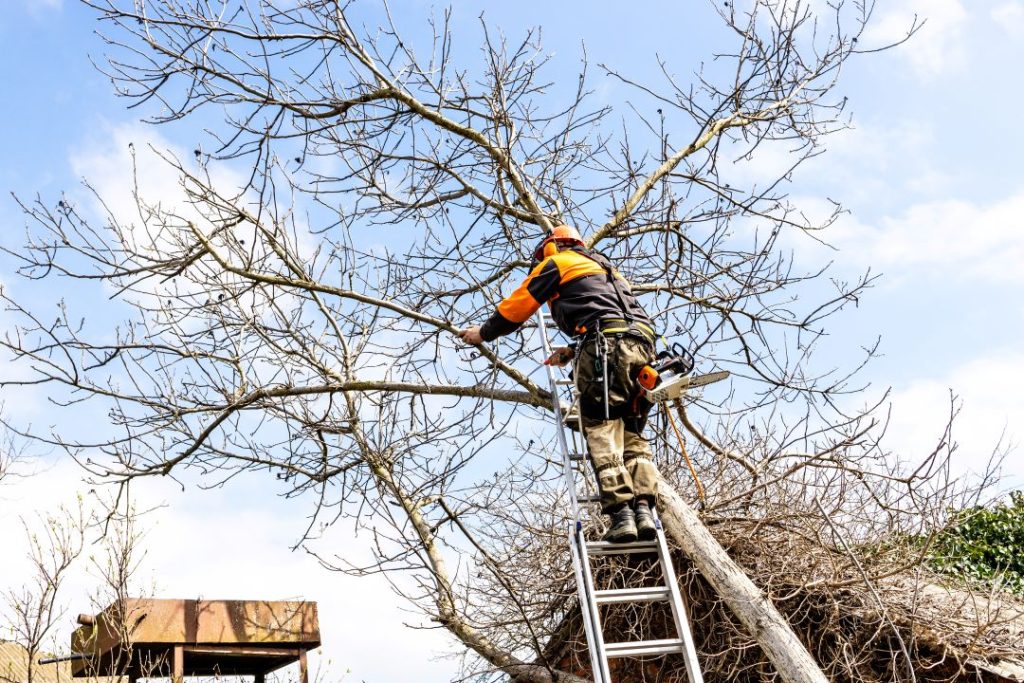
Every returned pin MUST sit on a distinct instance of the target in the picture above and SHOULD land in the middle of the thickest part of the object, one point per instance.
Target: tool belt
(606, 392)
(620, 326)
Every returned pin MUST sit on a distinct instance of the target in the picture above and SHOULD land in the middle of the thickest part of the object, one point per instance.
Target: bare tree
(115, 567)
(12, 457)
(32, 611)
(300, 321)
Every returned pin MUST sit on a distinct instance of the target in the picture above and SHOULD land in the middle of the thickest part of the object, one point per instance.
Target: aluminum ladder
(590, 598)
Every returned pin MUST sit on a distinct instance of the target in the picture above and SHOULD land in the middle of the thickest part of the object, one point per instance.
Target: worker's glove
(560, 356)
(470, 335)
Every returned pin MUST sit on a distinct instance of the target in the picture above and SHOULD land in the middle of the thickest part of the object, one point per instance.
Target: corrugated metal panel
(14, 667)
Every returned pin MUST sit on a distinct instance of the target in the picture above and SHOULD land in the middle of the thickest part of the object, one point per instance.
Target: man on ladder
(613, 340)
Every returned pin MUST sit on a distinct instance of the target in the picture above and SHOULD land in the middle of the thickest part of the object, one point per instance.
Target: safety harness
(627, 325)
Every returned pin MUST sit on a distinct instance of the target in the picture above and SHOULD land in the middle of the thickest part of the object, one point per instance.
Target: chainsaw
(668, 376)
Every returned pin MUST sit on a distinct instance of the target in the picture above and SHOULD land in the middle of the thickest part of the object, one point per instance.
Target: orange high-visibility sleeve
(539, 286)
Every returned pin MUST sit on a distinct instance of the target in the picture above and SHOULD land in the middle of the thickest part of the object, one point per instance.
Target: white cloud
(39, 6)
(150, 208)
(1010, 17)
(38, 11)
(107, 165)
(878, 153)
(866, 163)
(963, 239)
(991, 406)
(938, 47)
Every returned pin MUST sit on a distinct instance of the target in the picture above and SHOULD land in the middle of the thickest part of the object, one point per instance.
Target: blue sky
(931, 174)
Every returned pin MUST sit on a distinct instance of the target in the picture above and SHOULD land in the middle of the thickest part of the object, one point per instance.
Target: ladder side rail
(585, 599)
(579, 444)
(556, 406)
(577, 542)
(602, 674)
(678, 608)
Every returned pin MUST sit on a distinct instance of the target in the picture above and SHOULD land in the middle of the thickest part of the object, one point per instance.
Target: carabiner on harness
(601, 367)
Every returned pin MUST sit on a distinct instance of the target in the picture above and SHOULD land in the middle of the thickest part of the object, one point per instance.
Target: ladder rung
(589, 498)
(616, 595)
(577, 457)
(643, 647)
(609, 548)
(564, 381)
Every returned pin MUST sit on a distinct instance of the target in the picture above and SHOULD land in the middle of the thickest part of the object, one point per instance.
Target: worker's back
(585, 293)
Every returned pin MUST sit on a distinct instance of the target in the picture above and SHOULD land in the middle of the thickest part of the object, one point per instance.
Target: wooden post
(178, 671)
(303, 668)
(764, 622)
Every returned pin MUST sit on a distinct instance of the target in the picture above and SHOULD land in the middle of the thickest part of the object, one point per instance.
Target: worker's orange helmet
(560, 234)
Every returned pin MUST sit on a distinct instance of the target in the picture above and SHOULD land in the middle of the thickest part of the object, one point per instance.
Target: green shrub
(984, 544)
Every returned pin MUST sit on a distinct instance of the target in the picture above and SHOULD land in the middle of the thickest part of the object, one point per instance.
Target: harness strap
(634, 327)
(602, 260)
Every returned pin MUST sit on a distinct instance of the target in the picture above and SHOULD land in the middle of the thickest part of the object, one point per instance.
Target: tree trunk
(765, 623)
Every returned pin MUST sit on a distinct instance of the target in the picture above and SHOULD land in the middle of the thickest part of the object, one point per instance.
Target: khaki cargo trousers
(621, 457)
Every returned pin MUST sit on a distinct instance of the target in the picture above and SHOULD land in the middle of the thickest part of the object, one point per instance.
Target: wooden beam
(243, 651)
(178, 669)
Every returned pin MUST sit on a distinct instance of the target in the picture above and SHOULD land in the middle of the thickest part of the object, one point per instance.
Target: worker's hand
(471, 335)
(560, 356)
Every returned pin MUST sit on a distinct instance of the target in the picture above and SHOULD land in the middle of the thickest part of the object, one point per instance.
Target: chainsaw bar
(674, 387)
(710, 378)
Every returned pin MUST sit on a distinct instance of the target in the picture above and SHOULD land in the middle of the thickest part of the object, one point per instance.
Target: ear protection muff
(551, 248)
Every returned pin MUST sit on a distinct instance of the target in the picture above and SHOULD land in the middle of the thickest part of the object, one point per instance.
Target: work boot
(645, 529)
(623, 528)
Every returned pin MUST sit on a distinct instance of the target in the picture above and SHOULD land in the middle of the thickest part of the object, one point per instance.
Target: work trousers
(620, 455)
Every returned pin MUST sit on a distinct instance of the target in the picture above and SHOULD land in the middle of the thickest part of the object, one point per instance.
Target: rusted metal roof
(142, 637)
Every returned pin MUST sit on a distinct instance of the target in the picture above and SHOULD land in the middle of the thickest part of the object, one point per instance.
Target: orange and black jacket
(580, 292)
